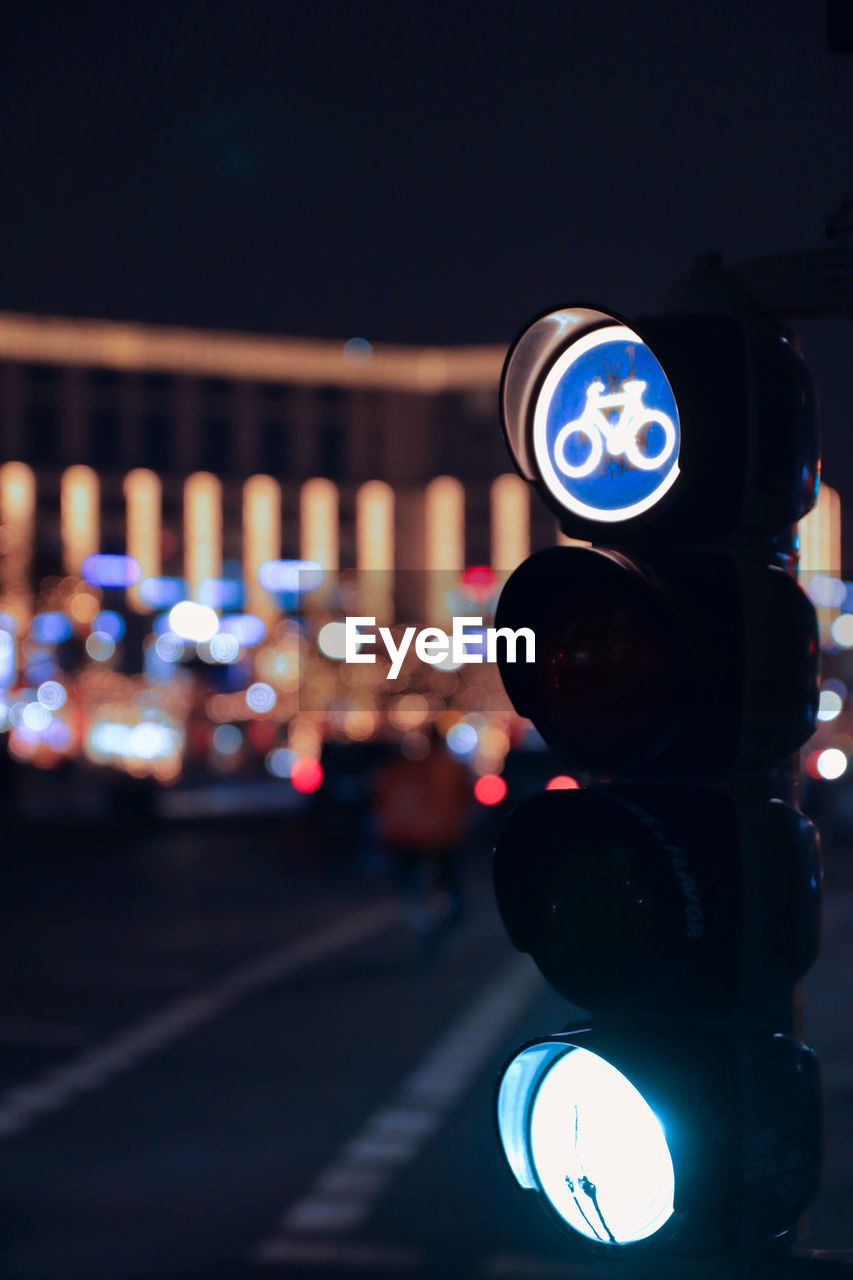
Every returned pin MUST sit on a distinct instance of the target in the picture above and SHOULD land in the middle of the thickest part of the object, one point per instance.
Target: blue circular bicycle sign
(606, 434)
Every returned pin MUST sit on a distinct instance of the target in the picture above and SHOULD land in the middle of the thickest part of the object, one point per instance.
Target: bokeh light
(169, 647)
(280, 762)
(408, 711)
(830, 705)
(360, 723)
(58, 734)
(193, 621)
(161, 593)
(83, 606)
(831, 763)
(357, 350)
(490, 789)
(35, 717)
(8, 660)
(260, 697)
(246, 628)
(224, 647)
(111, 570)
(51, 694)
(23, 698)
(290, 577)
(306, 775)
(110, 622)
(227, 739)
(50, 628)
(827, 591)
(842, 630)
(100, 646)
(462, 739)
(332, 640)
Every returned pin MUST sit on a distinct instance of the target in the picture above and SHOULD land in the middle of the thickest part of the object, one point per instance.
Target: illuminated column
(318, 532)
(202, 530)
(510, 514)
(445, 543)
(318, 523)
(261, 541)
(820, 547)
(17, 512)
(80, 517)
(143, 506)
(374, 535)
(820, 536)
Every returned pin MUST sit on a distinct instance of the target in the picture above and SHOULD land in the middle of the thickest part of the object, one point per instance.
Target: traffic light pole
(677, 895)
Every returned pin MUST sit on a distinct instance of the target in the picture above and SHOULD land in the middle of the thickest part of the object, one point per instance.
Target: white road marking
(345, 1192)
(21, 1106)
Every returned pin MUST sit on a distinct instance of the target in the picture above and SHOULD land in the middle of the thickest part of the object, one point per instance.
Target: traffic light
(676, 896)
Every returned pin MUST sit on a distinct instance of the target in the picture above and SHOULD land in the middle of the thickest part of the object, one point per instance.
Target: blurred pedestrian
(422, 808)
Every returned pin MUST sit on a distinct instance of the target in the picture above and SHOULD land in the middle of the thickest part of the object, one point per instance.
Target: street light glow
(192, 621)
(830, 705)
(842, 630)
(831, 764)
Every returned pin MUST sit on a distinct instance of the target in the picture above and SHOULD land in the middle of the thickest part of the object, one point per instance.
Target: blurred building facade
(205, 456)
(110, 427)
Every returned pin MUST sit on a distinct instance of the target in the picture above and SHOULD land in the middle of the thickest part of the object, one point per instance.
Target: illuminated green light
(577, 1130)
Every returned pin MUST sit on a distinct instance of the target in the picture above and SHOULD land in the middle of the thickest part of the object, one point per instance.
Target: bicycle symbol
(622, 436)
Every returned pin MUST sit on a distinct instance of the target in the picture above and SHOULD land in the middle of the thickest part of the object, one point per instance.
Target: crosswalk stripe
(343, 1195)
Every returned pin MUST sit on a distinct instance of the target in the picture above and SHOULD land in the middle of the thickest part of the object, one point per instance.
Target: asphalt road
(220, 1057)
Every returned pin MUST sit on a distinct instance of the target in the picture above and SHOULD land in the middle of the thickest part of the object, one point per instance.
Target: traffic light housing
(638, 1144)
(673, 663)
(676, 896)
(661, 899)
(745, 440)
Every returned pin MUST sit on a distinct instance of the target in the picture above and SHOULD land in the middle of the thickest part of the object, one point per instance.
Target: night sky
(412, 172)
